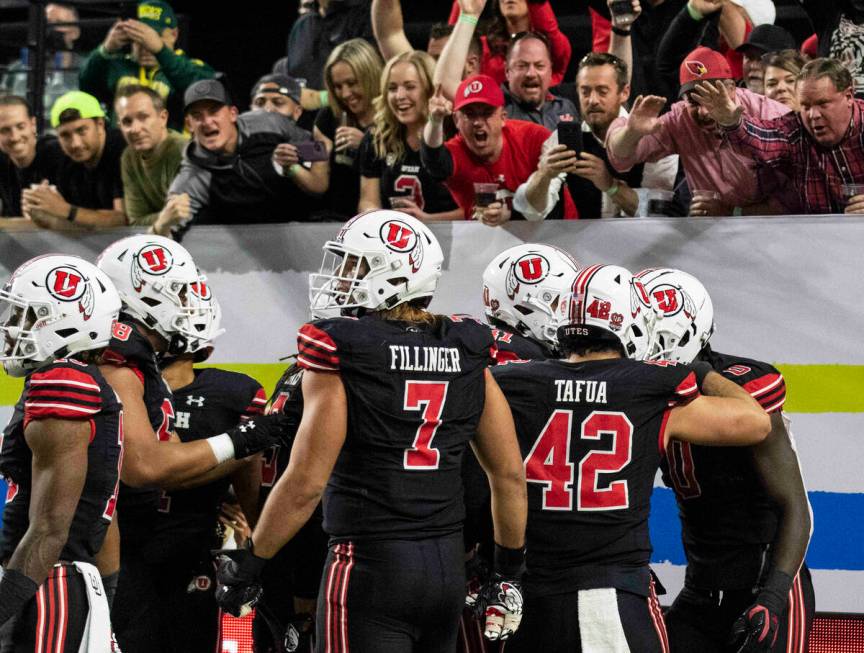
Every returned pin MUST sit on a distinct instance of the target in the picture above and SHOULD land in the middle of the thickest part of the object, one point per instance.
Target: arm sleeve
(93, 76)
(195, 182)
(136, 207)
(181, 70)
(682, 36)
(650, 148)
(767, 141)
(62, 393)
(543, 20)
(370, 165)
(769, 390)
(660, 174)
(317, 351)
(256, 404)
(437, 161)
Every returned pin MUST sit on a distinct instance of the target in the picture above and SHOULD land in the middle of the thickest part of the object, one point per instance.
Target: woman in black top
(352, 76)
(391, 175)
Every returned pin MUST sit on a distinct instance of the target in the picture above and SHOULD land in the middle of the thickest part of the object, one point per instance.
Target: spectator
(821, 143)
(241, 169)
(598, 190)
(352, 77)
(487, 149)
(764, 39)
(781, 75)
(25, 157)
(529, 76)
(314, 35)
(279, 94)
(152, 157)
(153, 60)
(89, 187)
(839, 28)
(513, 17)
(390, 166)
(61, 69)
(710, 162)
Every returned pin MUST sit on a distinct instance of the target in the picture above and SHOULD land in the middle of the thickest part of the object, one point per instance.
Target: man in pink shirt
(710, 162)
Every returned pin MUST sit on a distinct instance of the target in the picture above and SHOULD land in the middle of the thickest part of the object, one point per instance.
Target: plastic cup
(399, 202)
(704, 196)
(659, 203)
(484, 193)
(851, 190)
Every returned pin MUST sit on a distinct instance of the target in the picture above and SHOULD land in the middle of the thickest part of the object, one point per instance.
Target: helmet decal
(531, 268)
(67, 284)
(398, 236)
(201, 289)
(669, 299)
(154, 259)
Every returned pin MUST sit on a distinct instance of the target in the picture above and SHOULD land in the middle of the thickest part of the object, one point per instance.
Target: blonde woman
(781, 72)
(352, 76)
(391, 175)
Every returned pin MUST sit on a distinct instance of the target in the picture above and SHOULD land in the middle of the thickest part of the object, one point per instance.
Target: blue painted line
(838, 530)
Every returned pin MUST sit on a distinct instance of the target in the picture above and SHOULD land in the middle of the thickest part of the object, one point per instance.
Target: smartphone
(570, 134)
(312, 151)
(622, 8)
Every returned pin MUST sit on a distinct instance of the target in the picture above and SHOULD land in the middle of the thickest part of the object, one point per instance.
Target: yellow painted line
(810, 388)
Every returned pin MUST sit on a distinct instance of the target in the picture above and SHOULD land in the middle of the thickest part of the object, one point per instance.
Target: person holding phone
(258, 166)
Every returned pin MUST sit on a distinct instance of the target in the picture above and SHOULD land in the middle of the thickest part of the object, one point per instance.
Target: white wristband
(222, 447)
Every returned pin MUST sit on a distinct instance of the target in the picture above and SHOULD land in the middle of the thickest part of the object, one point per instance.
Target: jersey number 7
(428, 396)
(548, 462)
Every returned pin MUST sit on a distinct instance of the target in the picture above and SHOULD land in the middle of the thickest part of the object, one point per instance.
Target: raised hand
(707, 7)
(557, 160)
(720, 102)
(439, 106)
(643, 118)
(472, 7)
(116, 38)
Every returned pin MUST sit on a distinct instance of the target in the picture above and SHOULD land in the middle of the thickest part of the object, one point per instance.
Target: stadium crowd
(128, 466)
(483, 125)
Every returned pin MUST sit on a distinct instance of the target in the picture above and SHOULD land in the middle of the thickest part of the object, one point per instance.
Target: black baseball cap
(282, 84)
(768, 38)
(205, 89)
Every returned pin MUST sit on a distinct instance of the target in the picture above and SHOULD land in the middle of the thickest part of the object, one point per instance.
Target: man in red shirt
(488, 148)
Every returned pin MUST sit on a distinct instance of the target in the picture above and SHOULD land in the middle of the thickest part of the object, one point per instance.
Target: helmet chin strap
(177, 345)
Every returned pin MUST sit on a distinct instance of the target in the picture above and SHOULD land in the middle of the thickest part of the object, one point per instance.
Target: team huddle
(375, 527)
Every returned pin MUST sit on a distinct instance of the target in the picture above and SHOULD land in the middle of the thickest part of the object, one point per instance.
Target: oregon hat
(157, 14)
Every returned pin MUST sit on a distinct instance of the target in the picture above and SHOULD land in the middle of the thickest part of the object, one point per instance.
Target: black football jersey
(287, 399)
(726, 516)
(70, 390)
(512, 346)
(217, 400)
(591, 436)
(128, 348)
(415, 395)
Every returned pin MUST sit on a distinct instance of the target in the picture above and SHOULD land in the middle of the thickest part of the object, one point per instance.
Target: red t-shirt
(519, 157)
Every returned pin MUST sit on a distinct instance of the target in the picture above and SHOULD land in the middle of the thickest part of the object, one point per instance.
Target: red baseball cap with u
(478, 89)
(701, 65)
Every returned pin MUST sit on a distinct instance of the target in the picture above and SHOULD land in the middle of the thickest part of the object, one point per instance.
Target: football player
(207, 401)
(392, 394)
(522, 287)
(592, 429)
(164, 312)
(60, 455)
(745, 515)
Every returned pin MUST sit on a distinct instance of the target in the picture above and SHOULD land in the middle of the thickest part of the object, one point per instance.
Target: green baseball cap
(85, 104)
(157, 14)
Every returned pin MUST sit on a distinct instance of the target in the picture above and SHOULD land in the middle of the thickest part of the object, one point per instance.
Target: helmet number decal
(599, 309)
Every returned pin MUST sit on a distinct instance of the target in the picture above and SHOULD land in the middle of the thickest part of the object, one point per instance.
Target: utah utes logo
(154, 259)
(398, 236)
(667, 299)
(65, 284)
(68, 285)
(200, 289)
(531, 268)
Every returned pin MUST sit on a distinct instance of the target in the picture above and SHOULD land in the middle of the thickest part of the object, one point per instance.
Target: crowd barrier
(785, 290)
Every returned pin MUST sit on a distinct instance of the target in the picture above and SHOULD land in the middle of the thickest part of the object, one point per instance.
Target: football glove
(238, 585)
(756, 629)
(499, 604)
(476, 574)
(298, 635)
(260, 433)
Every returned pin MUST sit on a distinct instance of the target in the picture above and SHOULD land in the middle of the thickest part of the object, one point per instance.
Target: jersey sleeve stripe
(52, 381)
(29, 405)
(763, 384)
(688, 387)
(317, 343)
(311, 365)
(773, 408)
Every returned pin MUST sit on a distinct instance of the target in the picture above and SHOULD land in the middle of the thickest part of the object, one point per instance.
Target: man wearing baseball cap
(241, 168)
(279, 93)
(761, 41)
(730, 181)
(89, 187)
(151, 61)
(488, 149)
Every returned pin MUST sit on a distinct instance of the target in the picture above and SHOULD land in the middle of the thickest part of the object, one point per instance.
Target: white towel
(97, 631)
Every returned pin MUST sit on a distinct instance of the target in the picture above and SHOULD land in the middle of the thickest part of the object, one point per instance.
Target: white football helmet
(51, 307)
(523, 286)
(602, 306)
(160, 286)
(683, 313)
(379, 259)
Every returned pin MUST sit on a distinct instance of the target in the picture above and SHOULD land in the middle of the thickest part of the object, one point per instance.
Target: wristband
(701, 369)
(223, 448)
(15, 590)
(294, 168)
(620, 32)
(467, 18)
(776, 591)
(695, 14)
(509, 563)
(612, 191)
(324, 98)
(73, 213)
